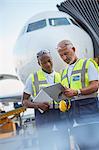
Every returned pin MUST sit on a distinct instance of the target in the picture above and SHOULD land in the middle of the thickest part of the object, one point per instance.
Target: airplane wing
(11, 98)
(11, 88)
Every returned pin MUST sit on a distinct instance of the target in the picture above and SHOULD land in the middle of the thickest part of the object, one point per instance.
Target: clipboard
(42, 96)
(50, 93)
(55, 91)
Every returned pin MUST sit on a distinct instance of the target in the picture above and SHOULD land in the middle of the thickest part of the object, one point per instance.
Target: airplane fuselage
(44, 31)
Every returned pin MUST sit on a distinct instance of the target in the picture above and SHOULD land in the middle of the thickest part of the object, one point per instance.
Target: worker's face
(45, 61)
(67, 53)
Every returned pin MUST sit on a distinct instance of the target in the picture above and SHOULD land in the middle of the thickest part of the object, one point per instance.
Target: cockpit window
(58, 21)
(36, 25)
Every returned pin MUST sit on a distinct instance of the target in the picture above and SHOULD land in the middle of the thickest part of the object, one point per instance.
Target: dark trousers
(85, 110)
(86, 114)
(52, 130)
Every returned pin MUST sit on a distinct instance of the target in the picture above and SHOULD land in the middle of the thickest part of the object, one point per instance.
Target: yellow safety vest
(39, 81)
(79, 76)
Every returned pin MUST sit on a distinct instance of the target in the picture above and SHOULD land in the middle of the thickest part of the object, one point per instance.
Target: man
(45, 122)
(81, 81)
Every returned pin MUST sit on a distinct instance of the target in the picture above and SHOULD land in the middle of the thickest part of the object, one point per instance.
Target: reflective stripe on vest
(79, 70)
(82, 72)
(39, 81)
(79, 75)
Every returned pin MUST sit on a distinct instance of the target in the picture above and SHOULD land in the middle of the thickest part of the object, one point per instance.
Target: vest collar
(74, 63)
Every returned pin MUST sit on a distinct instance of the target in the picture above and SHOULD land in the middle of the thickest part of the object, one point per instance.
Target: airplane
(11, 88)
(43, 31)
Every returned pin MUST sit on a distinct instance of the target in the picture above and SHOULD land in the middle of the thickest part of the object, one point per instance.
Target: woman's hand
(43, 106)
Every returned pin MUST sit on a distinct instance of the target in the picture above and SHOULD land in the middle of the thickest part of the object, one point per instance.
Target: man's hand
(70, 92)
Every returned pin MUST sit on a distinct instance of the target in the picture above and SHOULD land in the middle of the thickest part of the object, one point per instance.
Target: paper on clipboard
(42, 96)
(54, 91)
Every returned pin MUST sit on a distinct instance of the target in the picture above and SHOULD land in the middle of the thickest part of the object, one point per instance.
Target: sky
(13, 15)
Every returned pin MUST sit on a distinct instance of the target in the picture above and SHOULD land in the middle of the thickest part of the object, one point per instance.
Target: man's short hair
(64, 43)
(42, 52)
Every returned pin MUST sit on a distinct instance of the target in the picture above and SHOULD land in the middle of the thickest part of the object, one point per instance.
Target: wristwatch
(79, 92)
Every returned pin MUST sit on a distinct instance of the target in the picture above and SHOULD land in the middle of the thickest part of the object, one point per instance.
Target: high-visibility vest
(79, 76)
(39, 81)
